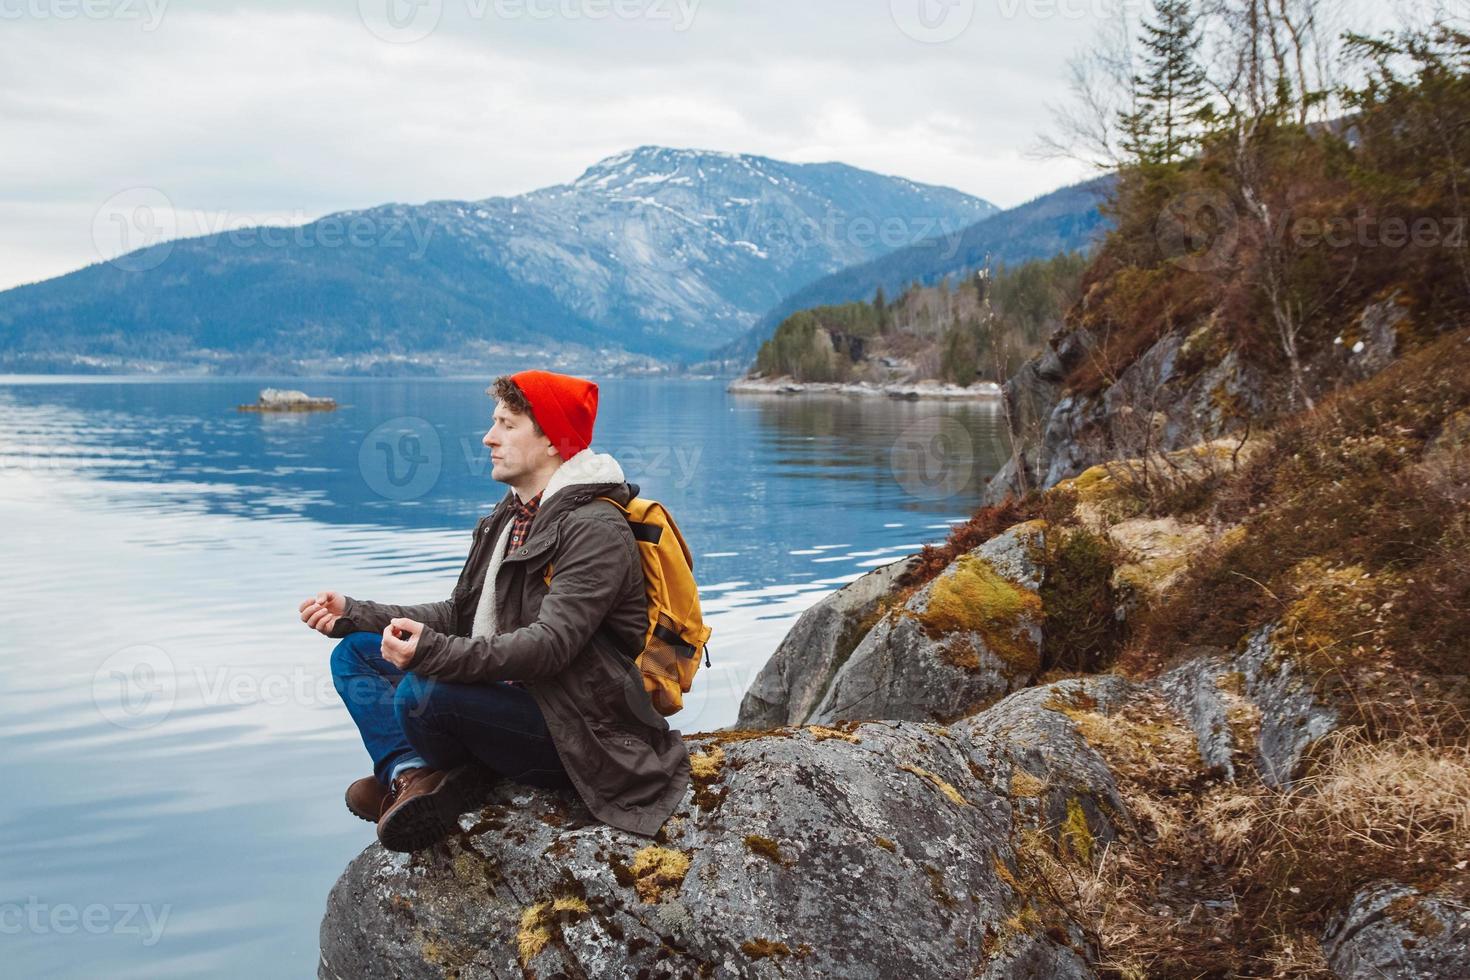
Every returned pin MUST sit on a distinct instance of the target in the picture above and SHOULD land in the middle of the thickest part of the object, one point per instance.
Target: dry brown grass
(1353, 528)
(1396, 809)
(1224, 880)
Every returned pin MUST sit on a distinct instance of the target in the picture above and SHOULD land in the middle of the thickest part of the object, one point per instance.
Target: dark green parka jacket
(571, 642)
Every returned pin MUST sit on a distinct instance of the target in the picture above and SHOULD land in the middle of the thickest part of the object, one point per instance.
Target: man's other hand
(322, 611)
(398, 652)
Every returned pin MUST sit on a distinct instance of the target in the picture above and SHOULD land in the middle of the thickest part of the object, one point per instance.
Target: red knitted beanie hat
(565, 407)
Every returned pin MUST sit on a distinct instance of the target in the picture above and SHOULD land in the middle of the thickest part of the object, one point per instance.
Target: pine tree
(880, 305)
(1169, 99)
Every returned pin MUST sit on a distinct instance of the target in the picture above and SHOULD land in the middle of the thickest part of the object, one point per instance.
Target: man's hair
(509, 394)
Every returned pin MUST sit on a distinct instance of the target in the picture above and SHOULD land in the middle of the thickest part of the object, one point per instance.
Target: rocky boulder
(797, 675)
(1033, 747)
(875, 850)
(1393, 930)
(968, 637)
(1257, 705)
(1373, 342)
(1183, 390)
(289, 400)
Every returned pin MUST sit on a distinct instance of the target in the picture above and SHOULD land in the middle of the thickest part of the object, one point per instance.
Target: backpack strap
(644, 533)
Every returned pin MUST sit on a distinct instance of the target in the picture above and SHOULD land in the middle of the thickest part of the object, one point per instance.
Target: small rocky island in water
(284, 400)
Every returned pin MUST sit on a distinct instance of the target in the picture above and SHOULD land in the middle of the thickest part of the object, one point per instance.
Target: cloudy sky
(279, 112)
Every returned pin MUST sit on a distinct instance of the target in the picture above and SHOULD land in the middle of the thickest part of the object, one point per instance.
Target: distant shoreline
(907, 391)
(58, 377)
(431, 365)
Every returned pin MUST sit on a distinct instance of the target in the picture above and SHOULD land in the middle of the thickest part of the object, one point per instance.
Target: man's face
(515, 448)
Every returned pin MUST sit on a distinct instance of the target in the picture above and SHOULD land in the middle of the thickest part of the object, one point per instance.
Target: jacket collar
(584, 469)
(579, 479)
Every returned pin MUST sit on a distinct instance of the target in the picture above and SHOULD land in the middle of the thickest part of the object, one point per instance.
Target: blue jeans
(408, 720)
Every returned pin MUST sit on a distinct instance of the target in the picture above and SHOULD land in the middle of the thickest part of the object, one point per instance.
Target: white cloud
(255, 111)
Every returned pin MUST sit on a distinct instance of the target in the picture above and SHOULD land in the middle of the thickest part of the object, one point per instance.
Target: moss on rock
(1075, 836)
(765, 847)
(655, 869)
(950, 793)
(1026, 786)
(972, 596)
(540, 921)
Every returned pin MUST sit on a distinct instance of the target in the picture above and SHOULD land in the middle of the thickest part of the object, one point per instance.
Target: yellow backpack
(676, 632)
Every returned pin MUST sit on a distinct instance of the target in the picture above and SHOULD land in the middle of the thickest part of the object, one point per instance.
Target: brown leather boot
(367, 798)
(426, 806)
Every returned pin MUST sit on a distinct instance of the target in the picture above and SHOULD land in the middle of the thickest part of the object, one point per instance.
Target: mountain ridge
(1050, 224)
(655, 251)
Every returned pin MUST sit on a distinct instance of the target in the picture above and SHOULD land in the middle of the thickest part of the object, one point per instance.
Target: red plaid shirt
(520, 522)
(520, 527)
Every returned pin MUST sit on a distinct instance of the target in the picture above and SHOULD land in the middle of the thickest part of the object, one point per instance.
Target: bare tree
(1269, 63)
(998, 348)
(1086, 127)
(1274, 58)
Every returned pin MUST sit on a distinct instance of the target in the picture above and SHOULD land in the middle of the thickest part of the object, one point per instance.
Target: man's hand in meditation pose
(400, 652)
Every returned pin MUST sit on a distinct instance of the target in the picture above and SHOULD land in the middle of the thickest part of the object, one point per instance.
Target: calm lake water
(176, 754)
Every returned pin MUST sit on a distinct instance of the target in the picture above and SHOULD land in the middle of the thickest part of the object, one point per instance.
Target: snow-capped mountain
(660, 251)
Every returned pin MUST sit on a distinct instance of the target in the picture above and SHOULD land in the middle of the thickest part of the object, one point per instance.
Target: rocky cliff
(1187, 387)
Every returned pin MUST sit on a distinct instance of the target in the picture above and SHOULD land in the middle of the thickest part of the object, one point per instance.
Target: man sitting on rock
(527, 670)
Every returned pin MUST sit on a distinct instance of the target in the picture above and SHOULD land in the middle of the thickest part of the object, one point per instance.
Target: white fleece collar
(585, 467)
